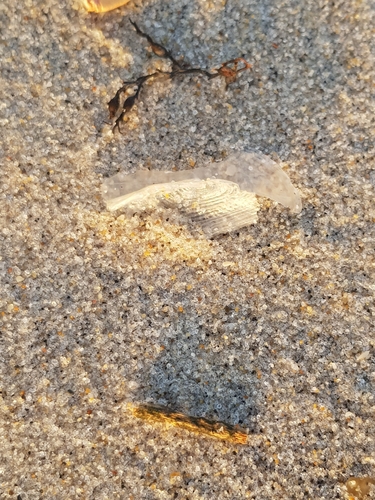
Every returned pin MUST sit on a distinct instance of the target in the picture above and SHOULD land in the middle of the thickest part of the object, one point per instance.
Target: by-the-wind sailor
(220, 196)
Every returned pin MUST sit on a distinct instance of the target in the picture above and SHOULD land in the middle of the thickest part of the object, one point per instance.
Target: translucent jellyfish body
(220, 196)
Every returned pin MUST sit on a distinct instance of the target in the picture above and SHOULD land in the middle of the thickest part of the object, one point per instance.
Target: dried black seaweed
(229, 70)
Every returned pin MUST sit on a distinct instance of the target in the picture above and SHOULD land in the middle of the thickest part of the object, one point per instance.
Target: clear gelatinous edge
(252, 172)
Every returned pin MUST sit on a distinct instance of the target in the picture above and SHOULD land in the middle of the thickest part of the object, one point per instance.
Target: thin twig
(199, 425)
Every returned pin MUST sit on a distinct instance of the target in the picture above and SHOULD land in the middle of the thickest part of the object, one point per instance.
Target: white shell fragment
(220, 196)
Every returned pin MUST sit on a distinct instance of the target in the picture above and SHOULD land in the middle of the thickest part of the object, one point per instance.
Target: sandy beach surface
(270, 327)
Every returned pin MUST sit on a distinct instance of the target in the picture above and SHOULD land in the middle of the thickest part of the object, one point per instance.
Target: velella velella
(221, 196)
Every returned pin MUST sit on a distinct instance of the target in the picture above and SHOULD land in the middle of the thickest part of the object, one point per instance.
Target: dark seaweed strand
(156, 48)
(129, 101)
(178, 69)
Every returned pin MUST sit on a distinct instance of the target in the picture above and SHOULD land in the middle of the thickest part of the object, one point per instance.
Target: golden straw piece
(199, 425)
(99, 6)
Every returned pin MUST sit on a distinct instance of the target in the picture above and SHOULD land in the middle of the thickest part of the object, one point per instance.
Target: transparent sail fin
(220, 196)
